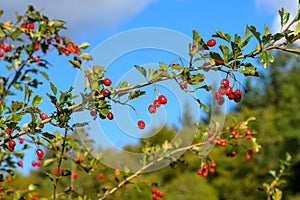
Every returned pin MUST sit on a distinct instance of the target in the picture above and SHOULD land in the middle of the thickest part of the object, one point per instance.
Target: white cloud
(85, 16)
(272, 7)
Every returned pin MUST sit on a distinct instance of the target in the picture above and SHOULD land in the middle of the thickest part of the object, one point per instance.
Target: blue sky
(96, 21)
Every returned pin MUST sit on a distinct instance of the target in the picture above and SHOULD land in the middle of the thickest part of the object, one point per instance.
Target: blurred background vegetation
(273, 99)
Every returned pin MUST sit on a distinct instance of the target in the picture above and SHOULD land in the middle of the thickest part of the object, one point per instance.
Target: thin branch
(136, 174)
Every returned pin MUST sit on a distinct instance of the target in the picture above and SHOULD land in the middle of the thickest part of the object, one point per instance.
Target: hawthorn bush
(24, 44)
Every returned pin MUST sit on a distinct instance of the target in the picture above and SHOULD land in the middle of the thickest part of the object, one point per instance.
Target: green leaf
(37, 100)
(236, 50)
(53, 88)
(135, 94)
(1, 12)
(202, 105)
(225, 51)
(265, 58)
(75, 63)
(142, 70)
(15, 106)
(198, 39)
(48, 135)
(249, 70)
(196, 79)
(15, 34)
(45, 75)
(273, 173)
(288, 157)
(48, 162)
(84, 45)
(86, 56)
(215, 56)
(66, 172)
(297, 28)
(223, 36)
(32, 187)
(277, 194)
(255, 33)
(284, 16)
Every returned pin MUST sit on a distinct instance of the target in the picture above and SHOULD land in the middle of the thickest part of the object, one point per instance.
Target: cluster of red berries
(156, 193)
(28, 26)
(40, 153)
(226, 89)
(219, 141)
(205, 169)
(11, 145)
(4, 48)
(70, 48)
(162, 99)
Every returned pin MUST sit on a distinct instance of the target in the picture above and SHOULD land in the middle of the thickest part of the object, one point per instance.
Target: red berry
(231, 96)
(11, 143)
(221, 101)
(38, 163)
(107, 82)
(248, 157)
(234, 132)
(211, 140)
(232, 153)
(238, 92)
(223, 143)
(183, 85)
(8, 130)
(80, 159)
(36, 47)
(205, 174)
(222, 90)
(237, 98)
(43, 116)
(34, 198)
(36, 58)
(20, 163)
(152, 108)
(153, 190)
(23, 25)
(110, 116)
(33, 163)
(225, 82)
(213, 164)
(40, 158)
(236, 136)
(21, 140)
(156, 103)
(252, 151)
(154, 197)
(248, 137)
(141, 124)
(248, 132)
(200, 171)
(211, 170)
(41, 126)
(210, 133)
(39, 152)
(100, 176)
(217, 95)
(57, 171)
(106, 91)
(93, 112)
(228, 90)
(219, 62)
(204, 166)
(162, 99)
(57, 39)
(75, 175)
(1, 54)
(211, 42)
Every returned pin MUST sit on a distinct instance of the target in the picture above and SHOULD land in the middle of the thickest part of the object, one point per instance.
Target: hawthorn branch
(136, 174)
